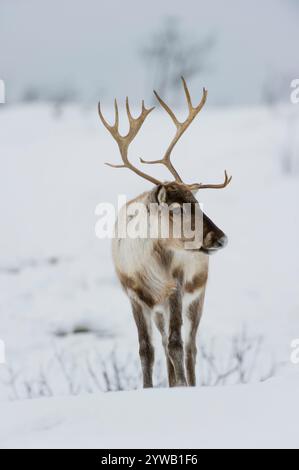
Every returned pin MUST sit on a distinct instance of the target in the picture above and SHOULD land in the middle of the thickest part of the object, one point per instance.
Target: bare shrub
(67, 373)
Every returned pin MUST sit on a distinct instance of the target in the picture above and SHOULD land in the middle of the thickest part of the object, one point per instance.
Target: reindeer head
(189, 227)
(175, 193)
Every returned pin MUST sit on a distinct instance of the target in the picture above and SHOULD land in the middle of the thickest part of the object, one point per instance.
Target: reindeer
(164, 281)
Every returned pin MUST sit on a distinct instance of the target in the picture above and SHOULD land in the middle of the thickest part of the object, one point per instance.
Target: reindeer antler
(123, 142)
(227, 180)
(181, 127)
(135, 124)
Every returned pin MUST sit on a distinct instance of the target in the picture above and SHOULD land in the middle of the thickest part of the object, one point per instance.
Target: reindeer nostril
(222, 241)
(209, 239)
(214, 242)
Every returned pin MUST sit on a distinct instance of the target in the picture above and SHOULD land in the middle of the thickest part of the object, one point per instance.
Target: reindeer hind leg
(146, 349)
(161, 325)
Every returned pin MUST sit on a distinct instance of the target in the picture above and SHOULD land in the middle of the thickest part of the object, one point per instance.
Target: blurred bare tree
(170, 53)
(59, 97)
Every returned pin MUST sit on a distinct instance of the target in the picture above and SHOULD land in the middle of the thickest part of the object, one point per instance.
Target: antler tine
(188, 97)
(116, 122)
(227, 180)
(181, 127)
(116, 119)
(130, 117)
(103, 119)
(123, 142)
(167, 109)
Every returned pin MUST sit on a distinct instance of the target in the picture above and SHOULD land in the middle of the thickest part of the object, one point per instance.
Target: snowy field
(63, 315)
(259, 416)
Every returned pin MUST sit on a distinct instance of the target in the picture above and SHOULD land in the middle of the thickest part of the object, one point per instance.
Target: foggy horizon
(99, 56)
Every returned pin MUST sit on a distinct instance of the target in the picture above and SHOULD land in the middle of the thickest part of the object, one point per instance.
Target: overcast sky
(92, 45)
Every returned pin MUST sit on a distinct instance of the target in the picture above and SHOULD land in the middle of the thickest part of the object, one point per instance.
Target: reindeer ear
(161, 195)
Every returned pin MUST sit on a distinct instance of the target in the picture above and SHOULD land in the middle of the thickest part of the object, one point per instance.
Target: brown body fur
(166, 285)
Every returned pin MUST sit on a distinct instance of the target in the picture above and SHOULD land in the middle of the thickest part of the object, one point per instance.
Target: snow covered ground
(247, 416)
(59, 292)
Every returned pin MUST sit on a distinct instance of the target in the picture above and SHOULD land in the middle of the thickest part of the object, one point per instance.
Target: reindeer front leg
(146, 349)
(175, 342)
(193, 316)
